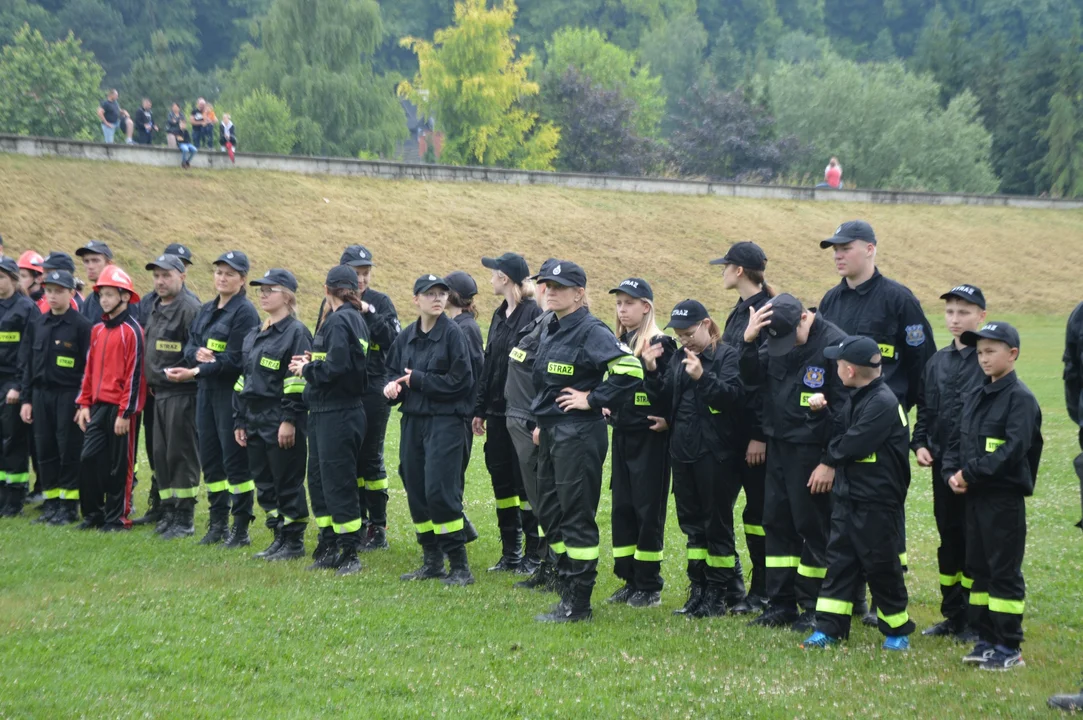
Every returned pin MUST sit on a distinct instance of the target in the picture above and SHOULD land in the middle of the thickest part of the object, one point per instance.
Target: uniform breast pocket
(885, 334)
(991, 435)
(215, 339)
(560, 367)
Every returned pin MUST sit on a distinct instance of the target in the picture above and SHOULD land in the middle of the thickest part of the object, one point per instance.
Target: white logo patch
(679, 313)
(229, 256)
(630, 283)
(161, 259)
(556, 270)
(362, 253)
(432, 277)
(267, 274)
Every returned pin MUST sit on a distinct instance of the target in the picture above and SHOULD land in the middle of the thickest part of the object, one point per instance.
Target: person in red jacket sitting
(112, 396)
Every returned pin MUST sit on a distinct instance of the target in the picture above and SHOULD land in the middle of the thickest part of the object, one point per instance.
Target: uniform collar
(438, 330)
(570, 320)
(10, 301)
(49, 316)
(966, 352)
(866, 287)
(744, 305)
(863, 391)
(1005, 382)
(235, 300)
(279, 326)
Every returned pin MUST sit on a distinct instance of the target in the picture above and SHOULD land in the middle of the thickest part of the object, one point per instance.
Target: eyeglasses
(269, 290)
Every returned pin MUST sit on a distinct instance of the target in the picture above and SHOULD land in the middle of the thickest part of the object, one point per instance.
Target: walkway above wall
(164, 157)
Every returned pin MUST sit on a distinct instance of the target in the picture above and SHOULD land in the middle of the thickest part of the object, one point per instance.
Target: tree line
(948, 95)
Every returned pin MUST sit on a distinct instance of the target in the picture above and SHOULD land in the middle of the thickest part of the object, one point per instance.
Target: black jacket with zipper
(504, 334)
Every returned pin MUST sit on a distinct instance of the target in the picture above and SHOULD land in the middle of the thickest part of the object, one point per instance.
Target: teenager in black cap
(640, 470)
(269, 416)
(383, 324)
(213, 355)
(514, 513)
(433, 382)
(96, 256)
(461, 309)
(951, 374)
(16, 312)
(55, 261)
(743, 269)
(996, 447)
(336, 381)
(871, 456)
(789, 369)
(172, 441)
(705, 392)
(53, 360)
(576, 352)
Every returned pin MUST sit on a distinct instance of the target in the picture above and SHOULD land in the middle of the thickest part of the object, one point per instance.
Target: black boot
(275, 545)
(805, 623)
(734, 592)
(460, 574)
(712, 605)
(376, 540)
(16, 499)
(511, 540)
(541, 578)
(48, 511)
(3, 497)
(696, 592)
(183, 524)
(165, 522)
(469, 529)
(154, 512)
(347, 562)
(1069, 702)
(622, 595)
(574, 607)
(66, 514)
(238, 534)
(432, 566)
(325, 556)
(293, 543)
(217, 528)
(532, 554)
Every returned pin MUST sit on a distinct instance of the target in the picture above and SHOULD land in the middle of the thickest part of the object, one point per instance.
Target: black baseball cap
(969, 293)
(1001, 331)
(9, 266)
(63, 278)
(180, 251)
(856, 350)
(167, 262)
(341, 276)
(58, 261)
(356, 256)
(545, 266)
(278, 276)
(744, 254)
(235, 259)
(686, 314)
(786, 311)
(95, 247)
(462, 284)
(850, 231)
(511, 264)
(636, 287)
(564, 272)
(428, 282)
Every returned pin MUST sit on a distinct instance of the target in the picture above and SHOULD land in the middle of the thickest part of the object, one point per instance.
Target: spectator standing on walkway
(111, 115)
(199, 122)
(144, 123)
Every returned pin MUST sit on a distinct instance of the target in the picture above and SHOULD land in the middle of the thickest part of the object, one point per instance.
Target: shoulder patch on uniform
(915, 335)
(814, 376)
(624, 348)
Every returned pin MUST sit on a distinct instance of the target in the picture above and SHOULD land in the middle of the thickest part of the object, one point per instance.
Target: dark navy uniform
(796, 521)
(514, 513)
(472, 333)
(997, 445)
(268, 394)
(577, 351)
(53, 361)
(1073, 383)
(951, 375)
(870, 454)
(225, 464)
(753, 477)
(15, 315)
(640, 479)
(337, 379)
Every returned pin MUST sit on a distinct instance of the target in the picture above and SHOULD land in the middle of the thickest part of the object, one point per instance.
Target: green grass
(129, 626)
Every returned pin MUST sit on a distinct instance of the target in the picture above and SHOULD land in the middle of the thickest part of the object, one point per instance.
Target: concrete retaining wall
(163, 157)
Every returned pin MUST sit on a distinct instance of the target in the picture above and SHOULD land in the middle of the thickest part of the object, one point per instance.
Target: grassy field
(129, 626)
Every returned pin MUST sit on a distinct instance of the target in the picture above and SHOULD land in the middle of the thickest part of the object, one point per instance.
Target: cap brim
(638, 294)
(59, 284)
(431, 285)
(682, 323)
(972, 338)
(239, 268)
(89, 251)
(833, 352)
(358, 262)
(781, 345)
(265, 281)
(961, 296)
(548, 277)
(159, 266)
(721, 261)
(491, 263)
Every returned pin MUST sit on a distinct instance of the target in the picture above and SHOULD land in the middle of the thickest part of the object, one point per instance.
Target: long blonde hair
(291, 305)
(646, 332)
(519, 291)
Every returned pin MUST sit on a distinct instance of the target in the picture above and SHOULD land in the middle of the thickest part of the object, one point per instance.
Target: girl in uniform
(640, 474)
(575, 353)
(703, 381)
(16, 310)
(462, 310)
(270, 419)
(514, 513)
(336, 379)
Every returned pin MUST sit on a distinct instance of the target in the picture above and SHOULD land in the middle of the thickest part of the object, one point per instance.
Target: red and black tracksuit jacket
(114, 369)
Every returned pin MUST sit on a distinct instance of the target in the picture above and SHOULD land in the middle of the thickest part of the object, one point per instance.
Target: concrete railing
(212, 159)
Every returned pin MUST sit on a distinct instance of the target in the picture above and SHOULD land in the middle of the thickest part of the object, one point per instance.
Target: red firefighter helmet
(114, 277)
(31, 261)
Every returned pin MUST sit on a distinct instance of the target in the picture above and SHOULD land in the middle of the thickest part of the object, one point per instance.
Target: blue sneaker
(981, 652)
(898, 643)
(818, 640)
(1003, 659)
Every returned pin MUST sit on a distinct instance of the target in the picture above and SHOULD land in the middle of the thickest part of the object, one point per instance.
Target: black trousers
(705, 492)
(864, 542)
(58, 440)
(371, 473)
(514, 510)
(148, 442)
(105, 478)
(176, 448)
(431, 456)
(949, 510)
(640, 486)
(544, 505)
(225, 463)
(279, 475)
(753, 480)
(570, 457)
(996, 537)
(14, 440)
(797, 524)
(334, 440)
